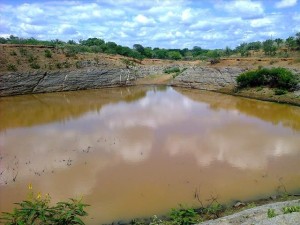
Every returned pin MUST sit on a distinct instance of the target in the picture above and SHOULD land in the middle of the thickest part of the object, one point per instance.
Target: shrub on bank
(275, 78)
(37, 210)
(172, 70)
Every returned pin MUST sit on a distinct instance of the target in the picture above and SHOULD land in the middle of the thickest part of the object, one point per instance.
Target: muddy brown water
(139, 151)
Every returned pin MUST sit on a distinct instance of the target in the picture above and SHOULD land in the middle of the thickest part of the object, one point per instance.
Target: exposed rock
(14, 83)
(207, 78)
(259, 216)
(238, 204)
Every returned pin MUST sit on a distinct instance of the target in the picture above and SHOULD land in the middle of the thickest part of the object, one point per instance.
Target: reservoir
(140, 151)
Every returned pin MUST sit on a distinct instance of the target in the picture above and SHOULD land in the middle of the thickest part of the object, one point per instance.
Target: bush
(275, 78)
(11, 67)
(172, 70)
(34, 65)
(32, 58)
(37, 210)
(48, 53)
(23, 51)
(184, 216)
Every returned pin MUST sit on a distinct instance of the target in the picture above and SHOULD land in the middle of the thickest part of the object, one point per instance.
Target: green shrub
(48, 53)
(291, 209)
(34, 65)
(278, 91)
(214, 209)
(172, 70)
(32, 58)
(271, 213)
(23, 51)
(275, 77)
(37, 210)
(11, 67)
(184, 216)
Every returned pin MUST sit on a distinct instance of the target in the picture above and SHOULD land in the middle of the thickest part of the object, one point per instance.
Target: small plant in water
(37, 211)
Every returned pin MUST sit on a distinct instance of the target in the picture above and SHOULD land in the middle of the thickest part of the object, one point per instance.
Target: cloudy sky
(154, 23)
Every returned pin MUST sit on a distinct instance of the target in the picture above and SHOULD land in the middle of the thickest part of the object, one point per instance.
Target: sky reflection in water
(141, 150)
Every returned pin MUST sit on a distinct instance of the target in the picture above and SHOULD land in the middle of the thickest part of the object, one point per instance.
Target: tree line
(270, 47)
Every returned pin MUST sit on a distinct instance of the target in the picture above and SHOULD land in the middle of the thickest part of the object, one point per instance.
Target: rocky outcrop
(259, 216)
(15, 83)
(207, 78)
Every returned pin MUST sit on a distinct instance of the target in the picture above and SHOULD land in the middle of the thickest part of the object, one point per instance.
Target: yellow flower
(30, 186)
(39, 195)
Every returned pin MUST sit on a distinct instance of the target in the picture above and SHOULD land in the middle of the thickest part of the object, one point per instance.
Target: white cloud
(143, 20)
(261, 22)
(243, 8)
(285, 3)
(150, 23)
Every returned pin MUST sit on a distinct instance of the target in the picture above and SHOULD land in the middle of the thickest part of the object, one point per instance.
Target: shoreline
(235, 213)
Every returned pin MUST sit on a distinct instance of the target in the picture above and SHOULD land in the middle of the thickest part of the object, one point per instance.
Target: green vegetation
(96, 45)
(174, 70)
(286, 210)
(291, 209)
(35, 65)
(278, 91)
(184, 216)
(11, 67)
(37, 211)
(48, 53)
(275, 78)
(271, 213)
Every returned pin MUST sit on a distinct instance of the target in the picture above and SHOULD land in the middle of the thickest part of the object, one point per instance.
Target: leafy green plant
(184, 216)
(215, 209)
(271, 213)
(11, 67)
(156, 221)
(38, 211)
(275, 77)
(172, 70)
(48, 53)
(32, 58)
(291, 209)
(34, 65)
(280, 91)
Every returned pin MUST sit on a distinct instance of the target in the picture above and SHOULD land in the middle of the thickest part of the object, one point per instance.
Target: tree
(227, 51)
(175, 55)
(92, 42)
(71, 42)
(139, 48)
(290, 42)
(269, 48)
(160, 53)
(197, 51)
(278, 41)
(298, 40)
(148, 52)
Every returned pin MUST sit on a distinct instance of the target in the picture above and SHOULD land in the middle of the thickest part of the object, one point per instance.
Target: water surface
(139, 151)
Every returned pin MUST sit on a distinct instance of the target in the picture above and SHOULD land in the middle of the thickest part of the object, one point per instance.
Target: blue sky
(153, 23)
